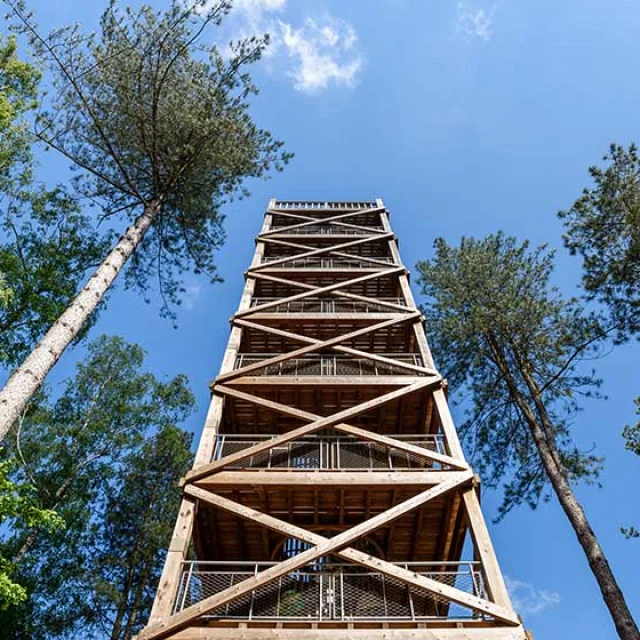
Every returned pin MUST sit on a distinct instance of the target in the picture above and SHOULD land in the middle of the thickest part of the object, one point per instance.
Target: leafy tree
(18, 507)
(46, 244)
(157, 122)
(603, 226)
(631, 434)
(75, 451)
(516, 346)
(130, 541)
(18, 86)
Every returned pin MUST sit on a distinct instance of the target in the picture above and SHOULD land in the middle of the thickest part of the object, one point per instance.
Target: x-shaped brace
(317, 345)
(333, 290)
(322, 546)
(318, 252)
(332, 220)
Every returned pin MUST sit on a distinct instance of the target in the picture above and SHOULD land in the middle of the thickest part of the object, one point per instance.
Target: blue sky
(466, 118)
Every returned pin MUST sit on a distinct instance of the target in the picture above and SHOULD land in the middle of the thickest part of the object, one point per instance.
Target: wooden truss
(205, 484)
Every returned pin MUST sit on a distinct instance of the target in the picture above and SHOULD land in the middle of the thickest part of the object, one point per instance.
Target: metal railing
(318, 204)
(326, 305)
(329, 230)
(327, 263)
(328, 365)
(331, 592)
(330, 452)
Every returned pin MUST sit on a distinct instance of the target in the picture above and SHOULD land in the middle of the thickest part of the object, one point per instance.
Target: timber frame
(329, 497)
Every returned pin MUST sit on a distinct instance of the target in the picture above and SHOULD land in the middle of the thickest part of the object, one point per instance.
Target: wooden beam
(480, 534)
(316, 220)
(328, 546)
(466, 630)
(334, 251)
(321, 423)
(308, 478)
(446, 424)
(172, 569)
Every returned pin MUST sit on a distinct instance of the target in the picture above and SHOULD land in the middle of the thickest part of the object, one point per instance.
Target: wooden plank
(333, 251)
(467, 630)
(316, 346)
(312, 478)
(383, 440)
(330, 545)
(289, 436)
(354, 352)
(446, 424)
(328, 381)
(480, 534)
(172, 569)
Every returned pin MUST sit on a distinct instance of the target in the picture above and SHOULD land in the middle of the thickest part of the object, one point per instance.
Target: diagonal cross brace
(357, 432)
(237, 373)
(316, 425)
(349, 350)
(328, 546)
(320, 290)
(314, 289)
(306, 247)
(481, 605)
(316, 252)
(316, 220)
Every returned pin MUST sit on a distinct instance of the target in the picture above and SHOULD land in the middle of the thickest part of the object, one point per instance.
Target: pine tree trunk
(28, 378)
(545, 443)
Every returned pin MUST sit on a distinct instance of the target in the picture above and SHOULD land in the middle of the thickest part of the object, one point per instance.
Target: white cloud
(191, 295)
(475, 21)
(253, 11)
(529, 600)
(321, 54)
(316, 54)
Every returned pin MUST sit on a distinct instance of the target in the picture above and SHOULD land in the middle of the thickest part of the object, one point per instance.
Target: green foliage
(603, 226)
(18, 507)
(18, 84)
(79, 452)
(131, 541)
(631, 434)
(150, 112)
(46, 243)
(512, 342)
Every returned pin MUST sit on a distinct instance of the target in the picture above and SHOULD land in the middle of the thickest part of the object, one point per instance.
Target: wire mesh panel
(326, 229)
(325, 592)
(325, 365)
(328, 305)
(331, 452)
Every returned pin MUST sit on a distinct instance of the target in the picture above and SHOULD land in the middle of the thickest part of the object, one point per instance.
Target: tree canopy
(518, 348)
(603, 226)
(82, 454)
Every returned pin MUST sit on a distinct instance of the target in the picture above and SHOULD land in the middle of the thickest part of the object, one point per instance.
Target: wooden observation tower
(330, 498)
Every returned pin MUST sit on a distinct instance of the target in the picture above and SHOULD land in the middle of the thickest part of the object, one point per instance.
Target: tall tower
(330, 497)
